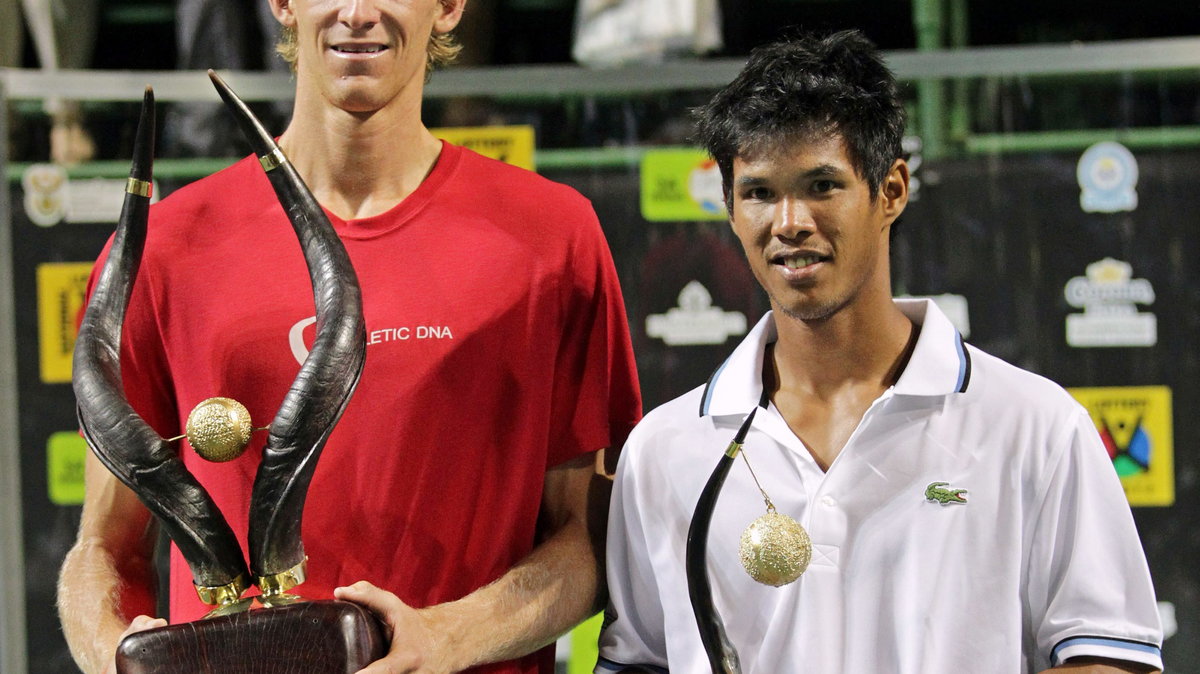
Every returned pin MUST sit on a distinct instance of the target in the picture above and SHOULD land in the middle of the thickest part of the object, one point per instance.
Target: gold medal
(774, 549)
(219, 429)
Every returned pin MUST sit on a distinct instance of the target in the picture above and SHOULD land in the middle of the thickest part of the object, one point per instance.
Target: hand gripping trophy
(283, 633)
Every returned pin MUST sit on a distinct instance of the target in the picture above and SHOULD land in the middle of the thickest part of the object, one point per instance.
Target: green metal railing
(941, 77)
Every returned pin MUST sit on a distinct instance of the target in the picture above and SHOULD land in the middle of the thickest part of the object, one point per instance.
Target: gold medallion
(219, 429)
(775, 549)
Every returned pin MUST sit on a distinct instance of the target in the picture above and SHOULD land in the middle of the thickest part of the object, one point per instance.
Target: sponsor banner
(954, 306)
(50, 197)
(65, 455)
(582, 645)
(61, 289)
(1107, 174)
(44, 187)
(681, 185)
(1135, 423)
(695, 321)
(98, 200)
(912, 145)
(1109, 295)
(510, 144)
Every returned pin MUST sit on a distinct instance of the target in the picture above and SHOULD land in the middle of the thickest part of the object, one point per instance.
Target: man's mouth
(801, 262)
(359, 48)
(797, 262)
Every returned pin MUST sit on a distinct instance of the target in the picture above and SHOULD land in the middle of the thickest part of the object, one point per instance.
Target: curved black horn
(722, 656)
(326, 380)
(120, 438)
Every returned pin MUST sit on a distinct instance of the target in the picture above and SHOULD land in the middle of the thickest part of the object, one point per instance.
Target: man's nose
(793, 217)
(359, 14)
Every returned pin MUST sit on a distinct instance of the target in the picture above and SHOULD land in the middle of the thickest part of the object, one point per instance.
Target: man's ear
(282, 9)
(449, 14)
(893, 191)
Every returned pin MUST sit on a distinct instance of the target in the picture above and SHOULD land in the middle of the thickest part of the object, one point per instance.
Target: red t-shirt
(497, 347)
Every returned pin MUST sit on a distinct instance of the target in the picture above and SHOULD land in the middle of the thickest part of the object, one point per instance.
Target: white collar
(939, 365)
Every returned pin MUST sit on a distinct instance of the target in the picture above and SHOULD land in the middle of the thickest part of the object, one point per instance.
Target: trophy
(273, 632)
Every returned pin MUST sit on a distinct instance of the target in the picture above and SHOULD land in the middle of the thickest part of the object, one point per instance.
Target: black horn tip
(143, 144)
(262, 142)
(741, 434)
(223, 89)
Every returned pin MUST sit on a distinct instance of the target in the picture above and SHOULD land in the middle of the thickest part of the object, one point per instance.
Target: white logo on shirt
(400, 334)
(296, 339)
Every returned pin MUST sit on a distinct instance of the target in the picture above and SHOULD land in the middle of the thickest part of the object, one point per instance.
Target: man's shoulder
(209, 214)
(495, 176)
(678, 418)
(224, 189)
(1000, 380)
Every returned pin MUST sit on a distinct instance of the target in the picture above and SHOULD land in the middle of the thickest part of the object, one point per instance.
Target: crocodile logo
(935, 493)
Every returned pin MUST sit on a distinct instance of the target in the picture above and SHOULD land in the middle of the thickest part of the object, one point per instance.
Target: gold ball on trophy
(775, 549)
(219, 429)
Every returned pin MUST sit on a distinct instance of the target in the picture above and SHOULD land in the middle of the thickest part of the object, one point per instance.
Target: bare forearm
(97, 597)
(539, 599)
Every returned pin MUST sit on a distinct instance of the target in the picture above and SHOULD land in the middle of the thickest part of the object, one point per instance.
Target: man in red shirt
(453, 498)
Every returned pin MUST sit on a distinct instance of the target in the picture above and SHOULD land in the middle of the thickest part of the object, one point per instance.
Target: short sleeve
(1089, 588)
(596, 399)
(634, 624)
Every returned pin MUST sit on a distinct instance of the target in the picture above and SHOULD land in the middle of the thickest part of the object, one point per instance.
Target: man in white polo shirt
(963, 513)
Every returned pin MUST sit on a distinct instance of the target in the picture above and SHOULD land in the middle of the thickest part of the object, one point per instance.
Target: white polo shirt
(1041, 563)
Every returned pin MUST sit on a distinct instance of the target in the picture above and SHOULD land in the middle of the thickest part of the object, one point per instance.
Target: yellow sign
(65, 454)
(679, 185)
(511, 144)
(583, 645)
(1137, 429)
(61, 290)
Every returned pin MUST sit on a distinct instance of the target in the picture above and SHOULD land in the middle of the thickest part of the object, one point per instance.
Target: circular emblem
(45, 187)
(1107, 174)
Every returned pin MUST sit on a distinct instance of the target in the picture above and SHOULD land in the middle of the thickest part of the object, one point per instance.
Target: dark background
(1004, 231)
(139, 34)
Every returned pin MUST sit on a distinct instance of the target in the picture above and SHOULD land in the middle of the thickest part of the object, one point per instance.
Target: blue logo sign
(1107, 175)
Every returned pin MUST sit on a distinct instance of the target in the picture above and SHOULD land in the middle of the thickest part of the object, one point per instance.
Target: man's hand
(533, 603)
(415, 645)
(139, 624)
(108, 575)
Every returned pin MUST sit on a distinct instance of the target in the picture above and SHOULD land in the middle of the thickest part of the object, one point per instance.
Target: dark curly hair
(804, 86)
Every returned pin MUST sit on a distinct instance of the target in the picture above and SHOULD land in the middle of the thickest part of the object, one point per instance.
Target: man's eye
(823, 186)
(757, 194)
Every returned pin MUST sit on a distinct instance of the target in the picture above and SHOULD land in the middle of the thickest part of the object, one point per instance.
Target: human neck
(359, 164)
(863, 348)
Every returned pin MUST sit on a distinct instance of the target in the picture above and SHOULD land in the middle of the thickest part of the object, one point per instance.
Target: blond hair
(441, 51)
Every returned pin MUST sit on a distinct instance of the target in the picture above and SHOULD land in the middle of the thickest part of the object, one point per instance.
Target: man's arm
(541, 597)
(108, 576)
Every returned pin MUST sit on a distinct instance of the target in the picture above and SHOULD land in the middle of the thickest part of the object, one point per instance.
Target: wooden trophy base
(311, 637)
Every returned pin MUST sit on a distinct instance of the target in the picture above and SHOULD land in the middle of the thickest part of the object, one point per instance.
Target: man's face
(815, 238)
(361, 54)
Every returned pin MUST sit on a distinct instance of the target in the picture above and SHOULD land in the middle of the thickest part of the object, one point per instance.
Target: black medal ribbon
(722, 656)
